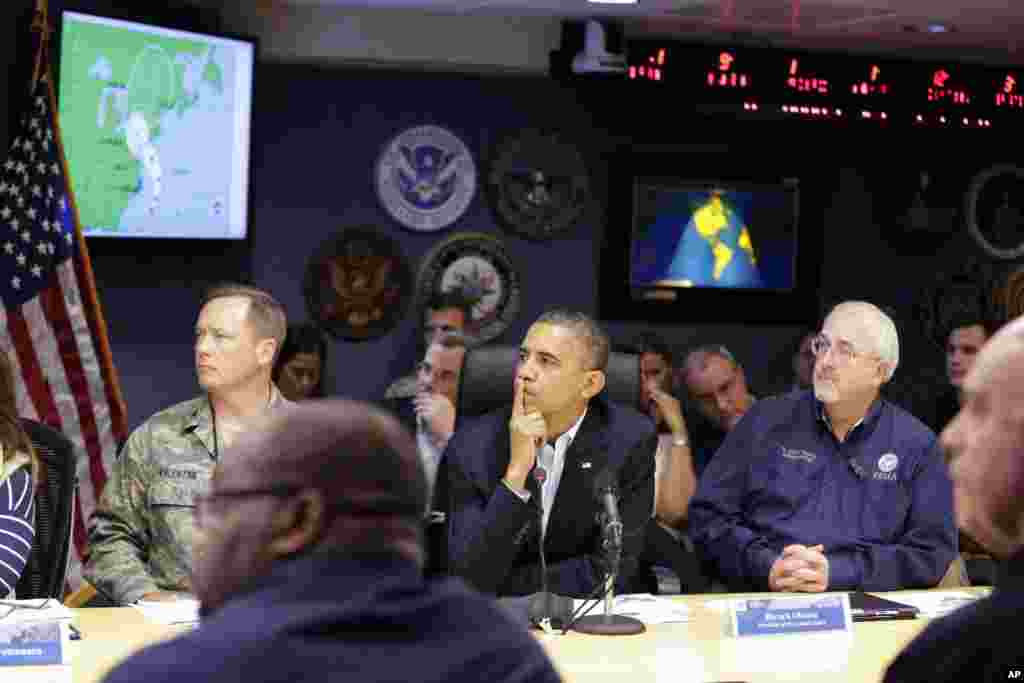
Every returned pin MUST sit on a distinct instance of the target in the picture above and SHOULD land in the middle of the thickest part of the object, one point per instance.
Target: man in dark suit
(527, 472)
(430, 416)
(981, 642)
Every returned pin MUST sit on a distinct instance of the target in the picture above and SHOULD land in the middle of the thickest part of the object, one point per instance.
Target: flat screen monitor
(156, 128)
(711, 234)
(714, 234)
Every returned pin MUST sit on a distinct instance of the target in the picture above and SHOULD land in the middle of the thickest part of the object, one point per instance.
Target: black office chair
(47, 566)
(488, 373)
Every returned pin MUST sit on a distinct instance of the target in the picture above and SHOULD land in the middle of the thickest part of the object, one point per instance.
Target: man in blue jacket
(308, 568)
(526, 473)
(830, 489)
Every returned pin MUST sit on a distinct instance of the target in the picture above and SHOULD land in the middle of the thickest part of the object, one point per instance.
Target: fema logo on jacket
(426, 178)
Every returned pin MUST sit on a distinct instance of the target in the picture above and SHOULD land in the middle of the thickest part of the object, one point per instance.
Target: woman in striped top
(19, 474)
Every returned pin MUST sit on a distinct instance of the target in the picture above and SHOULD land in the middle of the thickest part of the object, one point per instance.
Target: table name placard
(765, 616)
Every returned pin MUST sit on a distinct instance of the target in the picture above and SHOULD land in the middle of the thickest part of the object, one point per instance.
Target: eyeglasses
(844, 351)
(205, 511)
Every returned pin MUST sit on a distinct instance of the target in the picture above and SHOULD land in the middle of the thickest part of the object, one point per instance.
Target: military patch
(426, 178)
(476, 265)
(358, 284)
(538, 185)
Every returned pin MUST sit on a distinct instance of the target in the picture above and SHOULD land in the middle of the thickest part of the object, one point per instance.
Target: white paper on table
(723, 605)
(54, 611)
(170, 611)
(38, 674)
(934, 603)
(649, 609)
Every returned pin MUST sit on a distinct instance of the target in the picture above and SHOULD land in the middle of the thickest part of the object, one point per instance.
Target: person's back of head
(983, 443)
(325, 475)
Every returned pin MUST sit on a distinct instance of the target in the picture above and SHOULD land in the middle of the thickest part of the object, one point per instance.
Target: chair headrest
(488, 373)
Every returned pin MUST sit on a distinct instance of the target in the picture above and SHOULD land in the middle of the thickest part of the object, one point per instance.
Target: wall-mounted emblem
(538, 185)
(476, 265)
(358, 284)
(426, 178)
(994, 211)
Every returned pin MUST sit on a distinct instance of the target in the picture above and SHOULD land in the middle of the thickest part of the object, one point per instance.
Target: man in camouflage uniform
(141, 533)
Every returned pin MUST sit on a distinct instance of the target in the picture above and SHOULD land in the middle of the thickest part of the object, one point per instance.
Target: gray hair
(883, 329)
(698, 357)
(594, 338)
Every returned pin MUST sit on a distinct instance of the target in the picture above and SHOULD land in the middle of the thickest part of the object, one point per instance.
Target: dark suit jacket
(435, 530)
(980, 642)
(493, 535)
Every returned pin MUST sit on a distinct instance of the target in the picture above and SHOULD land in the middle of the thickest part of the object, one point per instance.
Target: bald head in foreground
(308, 567)
(985, 441)
(833, 488)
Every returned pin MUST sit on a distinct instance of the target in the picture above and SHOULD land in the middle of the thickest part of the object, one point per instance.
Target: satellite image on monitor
(711, 238)
(149, 129)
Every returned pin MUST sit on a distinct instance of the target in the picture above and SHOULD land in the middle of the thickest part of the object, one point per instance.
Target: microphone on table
(609, 624)
(545, 608)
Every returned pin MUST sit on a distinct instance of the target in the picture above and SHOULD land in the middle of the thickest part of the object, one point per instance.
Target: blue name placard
(39, 643)
(799, 614)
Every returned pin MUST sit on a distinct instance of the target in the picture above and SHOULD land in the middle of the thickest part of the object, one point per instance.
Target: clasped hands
(800, 569)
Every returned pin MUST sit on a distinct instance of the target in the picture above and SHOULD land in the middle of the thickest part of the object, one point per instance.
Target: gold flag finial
(41, 23)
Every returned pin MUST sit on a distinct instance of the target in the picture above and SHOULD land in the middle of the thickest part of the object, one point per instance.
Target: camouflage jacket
(140, 535)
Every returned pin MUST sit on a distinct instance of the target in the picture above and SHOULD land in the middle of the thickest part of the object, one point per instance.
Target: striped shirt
(16, 530)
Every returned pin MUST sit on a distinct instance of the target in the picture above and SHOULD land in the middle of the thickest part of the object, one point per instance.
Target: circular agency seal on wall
(358, 284)
(426, 178)
(476, 265)
(538, 185)
(995, 212)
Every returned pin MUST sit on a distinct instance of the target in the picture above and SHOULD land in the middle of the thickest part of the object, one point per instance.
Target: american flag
(52, 327)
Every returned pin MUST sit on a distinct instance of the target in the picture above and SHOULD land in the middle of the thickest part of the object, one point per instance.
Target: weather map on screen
(708, 235)
(155, 124)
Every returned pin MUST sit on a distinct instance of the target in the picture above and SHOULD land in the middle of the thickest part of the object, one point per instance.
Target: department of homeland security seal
(476, 265)
(358, 284)
(538, 185)
(426, 178)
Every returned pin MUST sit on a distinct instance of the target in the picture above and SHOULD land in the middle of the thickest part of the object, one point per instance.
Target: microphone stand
(609, 623)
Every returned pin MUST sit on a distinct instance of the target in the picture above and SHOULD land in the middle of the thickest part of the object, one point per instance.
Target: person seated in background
(140, 534)
(446, 312)
(526, 473)
(803, 363)
(717, 386)
(308, 568)
(835, 489)
(430, 415)
(299, 371)
(968, 334)
(675, 480)
(966, 337)
(981, 642)
(20, 474)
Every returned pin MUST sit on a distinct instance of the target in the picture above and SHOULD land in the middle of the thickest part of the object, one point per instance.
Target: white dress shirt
(552, 459)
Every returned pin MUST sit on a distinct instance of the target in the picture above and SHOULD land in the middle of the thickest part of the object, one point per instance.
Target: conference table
(696, 650)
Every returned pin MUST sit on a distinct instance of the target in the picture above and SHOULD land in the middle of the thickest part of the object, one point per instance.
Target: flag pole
(107, 370)
(41, 23)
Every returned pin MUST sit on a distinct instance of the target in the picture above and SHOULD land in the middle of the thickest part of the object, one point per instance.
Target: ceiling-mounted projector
(594, 58)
